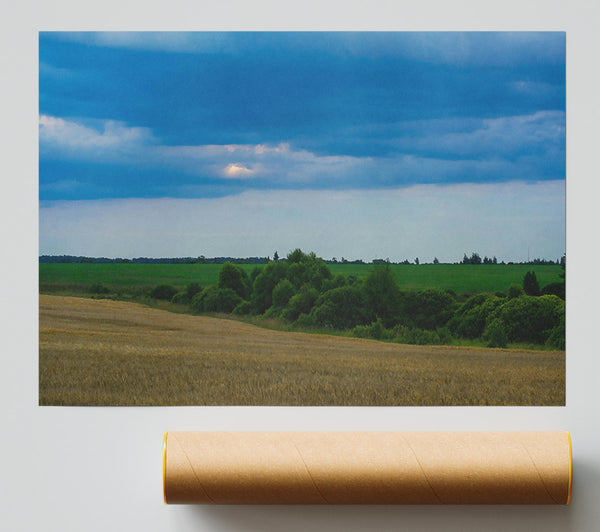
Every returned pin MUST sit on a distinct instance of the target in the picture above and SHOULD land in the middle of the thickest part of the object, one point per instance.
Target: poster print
(302, 218)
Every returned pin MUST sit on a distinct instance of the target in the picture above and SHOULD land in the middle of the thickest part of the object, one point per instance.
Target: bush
(307, 268)
(430, 308)
(242, 308)
(181, 298)
(305, 321)
(163, 291)
(282, 293)
(340, 308)
(471, 317)
(235, 278)
(375, 330)
(556, 338)
(412, 335)
(529, 318)
(215, 299)
(382, 294)
(301, 303)
(514, 290)
(531, 286)
(495, 334)
(98, 288)
(444, 335)
(337, 282)
(192, 289)
(273, 312)
(556, 289)
(265, 282)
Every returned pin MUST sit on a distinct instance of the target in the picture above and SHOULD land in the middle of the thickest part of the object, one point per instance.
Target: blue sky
(140, 121)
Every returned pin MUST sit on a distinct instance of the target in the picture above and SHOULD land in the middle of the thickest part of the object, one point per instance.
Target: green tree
(495, 334)
(339, 308)
(234, 277)
(430, 308)
(265, 282)
(186, 296)
(282, 293)
(297, 256)
(529, 318)
(557, 289)
(514, 290)
(470, 319)
(192, 289)
(215, 299)
(301, 303)
(382, 294)
(531, 286)
(164, 291)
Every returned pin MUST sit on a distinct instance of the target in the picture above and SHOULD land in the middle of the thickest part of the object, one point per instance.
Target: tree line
(302, 291)
(474, 258)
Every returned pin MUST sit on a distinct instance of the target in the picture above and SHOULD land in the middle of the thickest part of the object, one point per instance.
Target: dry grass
(101, 352)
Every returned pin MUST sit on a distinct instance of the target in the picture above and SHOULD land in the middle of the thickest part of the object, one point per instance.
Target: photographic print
(302, 218)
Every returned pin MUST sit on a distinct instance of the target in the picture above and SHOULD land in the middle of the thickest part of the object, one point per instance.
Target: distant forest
(474, 258)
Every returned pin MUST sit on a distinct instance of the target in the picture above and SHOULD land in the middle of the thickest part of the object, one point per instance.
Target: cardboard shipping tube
(367, 467)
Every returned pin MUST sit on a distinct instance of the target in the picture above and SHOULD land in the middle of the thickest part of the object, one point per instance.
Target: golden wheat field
(102, 352)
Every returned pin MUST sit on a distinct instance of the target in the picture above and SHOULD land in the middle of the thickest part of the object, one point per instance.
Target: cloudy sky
(355, 145)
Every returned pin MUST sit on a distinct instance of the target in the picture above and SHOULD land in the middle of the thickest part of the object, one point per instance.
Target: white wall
(99, 469)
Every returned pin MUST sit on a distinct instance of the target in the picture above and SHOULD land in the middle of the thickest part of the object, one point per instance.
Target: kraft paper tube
(367, 467)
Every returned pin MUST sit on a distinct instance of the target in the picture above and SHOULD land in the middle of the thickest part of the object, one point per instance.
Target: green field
(457, 277)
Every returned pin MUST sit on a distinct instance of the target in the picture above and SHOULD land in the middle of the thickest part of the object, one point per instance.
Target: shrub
(430, 308)
(382, 294)
(215, 299)
(413, 335)
(296, 273)
(265, 282)
(471, 317)
(185, 297)
(340, 308)
(514, 290)
(318, 274)
(307, 268)
(375, 330)
(163, 291)
(529, 318)
(282, 293)
(192, 289)
(444, 335)
(556, 338)
(337, 282)
(273, 312)
(530, 284)
(235, 278)
(242, 308)
(495, 334)
(301, 303)
(181, 298)
(305, 321)
(98, 288)
(254, 274)
(556, 289)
